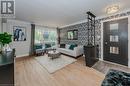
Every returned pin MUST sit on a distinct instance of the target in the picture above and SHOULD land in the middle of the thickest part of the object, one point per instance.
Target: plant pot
(1, 47)
(0, 51)
(6, 47)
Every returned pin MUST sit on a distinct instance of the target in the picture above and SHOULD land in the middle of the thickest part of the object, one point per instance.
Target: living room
(65, 43)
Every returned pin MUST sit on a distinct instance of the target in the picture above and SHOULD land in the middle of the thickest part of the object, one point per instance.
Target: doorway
(115, 42)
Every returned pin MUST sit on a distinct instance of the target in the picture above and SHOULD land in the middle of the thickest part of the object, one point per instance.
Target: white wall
(22, 47)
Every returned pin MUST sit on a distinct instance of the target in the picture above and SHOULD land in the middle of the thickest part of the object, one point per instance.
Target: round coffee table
(54, 54)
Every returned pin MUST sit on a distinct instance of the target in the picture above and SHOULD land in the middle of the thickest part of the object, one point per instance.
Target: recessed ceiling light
(112, 9)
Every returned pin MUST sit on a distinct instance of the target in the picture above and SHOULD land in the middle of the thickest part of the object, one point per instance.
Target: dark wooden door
(116, 41)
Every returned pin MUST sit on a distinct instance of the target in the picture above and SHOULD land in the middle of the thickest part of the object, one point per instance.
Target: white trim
(128, 36)
(116, 64)
(19, 56)
(101, 41)
(115, 19)
(129, 41)
(45, 27)
(79, 22)
(16, 20)
(108, 15)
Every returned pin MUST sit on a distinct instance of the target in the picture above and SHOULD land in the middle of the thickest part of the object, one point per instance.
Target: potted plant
(5, 39)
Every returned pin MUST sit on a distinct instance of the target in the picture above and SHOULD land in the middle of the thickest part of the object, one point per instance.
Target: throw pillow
(47, 45)
(72, 47)
(62, 45)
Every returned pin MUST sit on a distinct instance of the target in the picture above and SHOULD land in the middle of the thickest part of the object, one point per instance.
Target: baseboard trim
(20, 56)
(116, 64)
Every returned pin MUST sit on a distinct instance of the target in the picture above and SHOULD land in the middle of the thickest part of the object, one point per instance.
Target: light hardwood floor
(28, 72)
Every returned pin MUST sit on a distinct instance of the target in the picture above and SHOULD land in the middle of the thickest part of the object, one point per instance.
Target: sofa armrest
(78, 50)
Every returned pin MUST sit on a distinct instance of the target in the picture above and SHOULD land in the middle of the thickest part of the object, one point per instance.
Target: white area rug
(55, 64)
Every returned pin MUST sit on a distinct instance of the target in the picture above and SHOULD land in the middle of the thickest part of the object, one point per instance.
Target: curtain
(58, 34)
(32, 50)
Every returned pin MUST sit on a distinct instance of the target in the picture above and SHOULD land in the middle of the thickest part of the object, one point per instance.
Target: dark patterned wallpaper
(82, 31)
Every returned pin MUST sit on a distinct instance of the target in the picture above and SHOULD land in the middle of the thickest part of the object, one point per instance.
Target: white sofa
(74, 53)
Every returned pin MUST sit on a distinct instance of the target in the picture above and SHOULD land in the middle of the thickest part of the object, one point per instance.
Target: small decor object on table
(54, 54)
(5, 39)
(54, 50)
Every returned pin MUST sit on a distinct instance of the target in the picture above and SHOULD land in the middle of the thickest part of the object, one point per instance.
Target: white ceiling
(62, 12)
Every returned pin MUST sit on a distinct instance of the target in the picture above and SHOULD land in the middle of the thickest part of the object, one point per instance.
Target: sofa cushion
(67, 46)
(62, 45)
(38, 46)
(66, 51)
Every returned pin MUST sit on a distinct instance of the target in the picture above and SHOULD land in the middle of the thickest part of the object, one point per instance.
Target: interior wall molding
(98, 18)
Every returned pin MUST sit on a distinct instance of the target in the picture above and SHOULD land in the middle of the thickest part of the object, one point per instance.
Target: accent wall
(82, 31)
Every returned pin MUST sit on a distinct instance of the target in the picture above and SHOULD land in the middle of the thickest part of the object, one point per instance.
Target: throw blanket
(116, 78)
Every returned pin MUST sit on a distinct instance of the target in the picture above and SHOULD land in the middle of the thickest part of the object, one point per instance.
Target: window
(114, 38)
(45, 35)
(114, 26)
(114, 50)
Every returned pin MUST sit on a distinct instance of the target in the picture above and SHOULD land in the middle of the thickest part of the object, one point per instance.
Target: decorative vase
(6, 48)
(1, 47)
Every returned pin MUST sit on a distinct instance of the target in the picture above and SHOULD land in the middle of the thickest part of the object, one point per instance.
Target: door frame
(102, 32)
